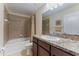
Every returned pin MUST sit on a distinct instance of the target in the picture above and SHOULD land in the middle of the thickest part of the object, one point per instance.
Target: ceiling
(23, 8)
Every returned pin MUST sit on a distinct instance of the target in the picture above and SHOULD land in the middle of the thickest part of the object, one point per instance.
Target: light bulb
(60, 4)
(56, 6)
(51, 8)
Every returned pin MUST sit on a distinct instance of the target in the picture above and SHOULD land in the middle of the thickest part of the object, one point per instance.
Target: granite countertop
(71, 46)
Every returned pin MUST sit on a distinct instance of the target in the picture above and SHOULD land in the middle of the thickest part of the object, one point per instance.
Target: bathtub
(16, 45)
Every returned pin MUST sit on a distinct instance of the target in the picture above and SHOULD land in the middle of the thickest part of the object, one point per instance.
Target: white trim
(17, 14)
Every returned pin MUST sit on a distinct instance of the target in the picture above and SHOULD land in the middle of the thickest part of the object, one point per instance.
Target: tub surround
(18, 47)
(68, 45)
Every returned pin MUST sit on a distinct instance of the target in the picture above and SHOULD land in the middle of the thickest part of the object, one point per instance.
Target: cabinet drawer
(44, 45)
(35, 39)
(58, 52)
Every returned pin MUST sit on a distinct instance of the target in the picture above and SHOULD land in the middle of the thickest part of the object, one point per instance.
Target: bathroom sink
(53, 39)
(50, 38)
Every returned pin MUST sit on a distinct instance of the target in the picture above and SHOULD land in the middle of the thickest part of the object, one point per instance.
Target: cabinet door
(35, 39)
(58, 52)
(44, 45)
(34, 49)
(42, 52)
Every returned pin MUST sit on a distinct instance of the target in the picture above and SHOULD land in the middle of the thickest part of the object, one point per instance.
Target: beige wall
(6, 31)
(32, 27)
(38, 15)
(38, 23)
(19, 27)
(38, 19)
(1, 25)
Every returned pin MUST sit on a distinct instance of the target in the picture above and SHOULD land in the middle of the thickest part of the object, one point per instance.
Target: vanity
(44, 47)
(61, 22)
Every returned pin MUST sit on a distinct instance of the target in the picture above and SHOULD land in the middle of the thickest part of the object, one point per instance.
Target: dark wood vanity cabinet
(42, 51)
(34, 49)
(35, 46)
(58, 52)
(41, 48)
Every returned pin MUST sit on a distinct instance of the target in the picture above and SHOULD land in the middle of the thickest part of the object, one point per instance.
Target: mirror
(53, 19)
(45, 25)
(71, 23)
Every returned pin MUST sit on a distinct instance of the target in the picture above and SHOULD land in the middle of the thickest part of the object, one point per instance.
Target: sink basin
(50, 38)
(54, 39)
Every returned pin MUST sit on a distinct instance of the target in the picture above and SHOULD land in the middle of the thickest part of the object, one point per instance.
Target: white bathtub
(17, 45)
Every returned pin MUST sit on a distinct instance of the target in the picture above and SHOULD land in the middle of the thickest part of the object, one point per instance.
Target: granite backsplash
(72, 37)
(67, 36)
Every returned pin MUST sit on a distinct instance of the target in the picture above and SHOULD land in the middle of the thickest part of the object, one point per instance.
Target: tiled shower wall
(19, 26)
(6, 26)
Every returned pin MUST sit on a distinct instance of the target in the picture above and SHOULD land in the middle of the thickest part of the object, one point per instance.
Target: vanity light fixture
(60, 4)
(56, 6)
(51, 8)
